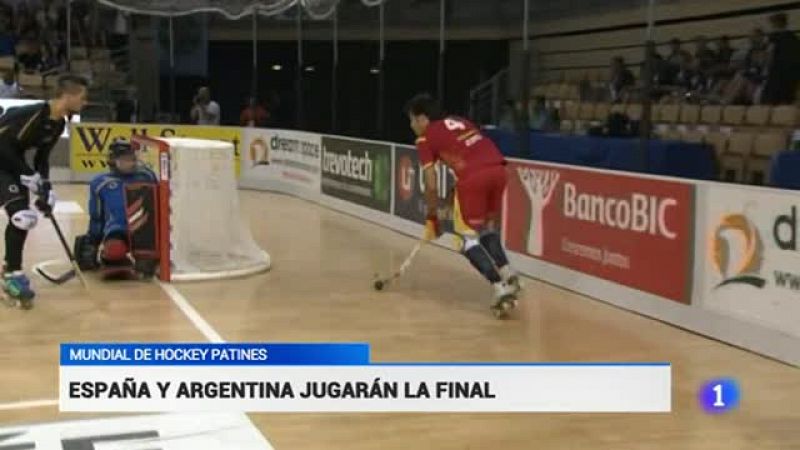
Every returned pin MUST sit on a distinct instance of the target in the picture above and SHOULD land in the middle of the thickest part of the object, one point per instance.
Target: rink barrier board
(731, 245)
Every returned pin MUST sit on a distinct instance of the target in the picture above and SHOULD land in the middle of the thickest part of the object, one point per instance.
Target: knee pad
(25, 219)
(115, 250)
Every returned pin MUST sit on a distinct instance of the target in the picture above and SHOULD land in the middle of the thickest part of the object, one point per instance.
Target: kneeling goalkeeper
(121, 205)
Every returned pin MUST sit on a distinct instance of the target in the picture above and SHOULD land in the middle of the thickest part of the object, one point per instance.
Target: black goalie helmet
(118, 149)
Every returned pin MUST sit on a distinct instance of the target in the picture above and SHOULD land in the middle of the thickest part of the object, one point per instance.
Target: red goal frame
(159, 162)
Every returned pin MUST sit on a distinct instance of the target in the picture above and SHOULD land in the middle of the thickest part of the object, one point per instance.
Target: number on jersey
(453, 124)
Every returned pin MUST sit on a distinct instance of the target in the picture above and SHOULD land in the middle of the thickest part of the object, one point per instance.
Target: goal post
(201, 233)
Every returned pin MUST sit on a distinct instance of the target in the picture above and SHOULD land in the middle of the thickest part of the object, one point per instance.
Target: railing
(486, 99)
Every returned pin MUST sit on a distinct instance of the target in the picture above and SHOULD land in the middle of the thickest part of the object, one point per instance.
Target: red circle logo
(406, 177)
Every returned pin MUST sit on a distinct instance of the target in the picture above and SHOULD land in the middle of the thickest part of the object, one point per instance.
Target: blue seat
(668, 158)
(785, 170)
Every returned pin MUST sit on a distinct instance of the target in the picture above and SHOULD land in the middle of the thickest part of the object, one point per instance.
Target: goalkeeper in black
(36, 127)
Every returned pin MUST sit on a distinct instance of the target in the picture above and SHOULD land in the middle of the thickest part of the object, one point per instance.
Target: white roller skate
(511, 279)
(505, 300)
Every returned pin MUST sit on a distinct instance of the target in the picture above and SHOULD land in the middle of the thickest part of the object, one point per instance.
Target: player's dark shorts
(11, 190)
(479, 199)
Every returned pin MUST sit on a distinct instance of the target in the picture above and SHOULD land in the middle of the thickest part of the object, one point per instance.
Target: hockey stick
(55, 279)
(380, 283)
(61, 279)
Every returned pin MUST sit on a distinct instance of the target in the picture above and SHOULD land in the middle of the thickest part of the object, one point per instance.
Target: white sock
(505, 272)
(500, 289)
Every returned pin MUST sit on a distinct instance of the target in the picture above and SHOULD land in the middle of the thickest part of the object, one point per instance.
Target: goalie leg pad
(86, 252)
(141, 207)
(116, 264)
(115, 251)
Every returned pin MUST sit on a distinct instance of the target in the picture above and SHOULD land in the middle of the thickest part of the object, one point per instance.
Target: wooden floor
(319, 290)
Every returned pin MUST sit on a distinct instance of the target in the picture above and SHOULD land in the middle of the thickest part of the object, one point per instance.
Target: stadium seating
(711, 115)
(744, 138)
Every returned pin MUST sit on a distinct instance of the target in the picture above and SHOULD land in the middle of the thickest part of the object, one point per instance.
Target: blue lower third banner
(341, 378)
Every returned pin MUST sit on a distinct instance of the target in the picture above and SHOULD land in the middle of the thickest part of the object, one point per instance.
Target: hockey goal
(200, 232)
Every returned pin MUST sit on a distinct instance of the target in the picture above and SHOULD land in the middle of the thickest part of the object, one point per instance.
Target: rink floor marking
(29, 404)
(191, 313)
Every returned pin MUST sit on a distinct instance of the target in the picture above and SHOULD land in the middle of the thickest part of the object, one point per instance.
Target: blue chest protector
(107, 209)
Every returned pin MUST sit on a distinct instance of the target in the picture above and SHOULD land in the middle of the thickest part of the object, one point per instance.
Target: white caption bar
(375, 388)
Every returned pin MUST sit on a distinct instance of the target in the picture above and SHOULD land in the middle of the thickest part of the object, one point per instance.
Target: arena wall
(590, 41)
(713, 258)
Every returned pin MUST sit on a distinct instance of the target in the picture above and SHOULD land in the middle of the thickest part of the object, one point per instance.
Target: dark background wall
(410, 67)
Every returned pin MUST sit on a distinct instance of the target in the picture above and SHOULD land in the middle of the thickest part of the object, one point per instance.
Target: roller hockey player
(122, 219)
(36, 127)
(481, 180)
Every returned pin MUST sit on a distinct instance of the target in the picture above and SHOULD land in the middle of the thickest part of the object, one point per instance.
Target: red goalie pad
(141, 204)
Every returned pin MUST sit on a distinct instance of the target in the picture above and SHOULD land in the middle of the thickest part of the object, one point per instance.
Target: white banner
(749, 254)
(163, 432)
(286, 156)
(372, 388)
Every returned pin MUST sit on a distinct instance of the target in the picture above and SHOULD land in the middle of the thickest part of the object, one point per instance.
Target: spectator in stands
(9, 87)
(542, 118)
(758, 44)
(687, 78)
(783, 67)
(676, 54)
(118, 33)
(705, 58)
(49, 58)
(724, 51)
(127, 108)
(664, 74)
(621, 79)
(253, 115)
(205, 111)
(29, 51)
(745, 86)
(509, 116)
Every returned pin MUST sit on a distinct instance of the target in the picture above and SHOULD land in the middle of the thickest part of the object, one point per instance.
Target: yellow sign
(89, 142)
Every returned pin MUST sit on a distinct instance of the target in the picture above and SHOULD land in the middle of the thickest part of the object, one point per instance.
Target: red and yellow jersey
(458, 143)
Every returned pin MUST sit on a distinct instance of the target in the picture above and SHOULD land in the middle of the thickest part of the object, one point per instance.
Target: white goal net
(202, 233)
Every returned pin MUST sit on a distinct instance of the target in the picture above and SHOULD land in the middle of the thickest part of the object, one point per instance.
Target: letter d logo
(787, 223)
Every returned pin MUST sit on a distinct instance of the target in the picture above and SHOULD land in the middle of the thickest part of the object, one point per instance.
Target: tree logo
(540, 184)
